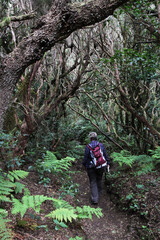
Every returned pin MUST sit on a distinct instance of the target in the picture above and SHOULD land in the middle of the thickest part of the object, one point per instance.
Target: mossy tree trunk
(55, 26)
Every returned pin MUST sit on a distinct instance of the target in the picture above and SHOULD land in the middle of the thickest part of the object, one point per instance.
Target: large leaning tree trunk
(62, 19)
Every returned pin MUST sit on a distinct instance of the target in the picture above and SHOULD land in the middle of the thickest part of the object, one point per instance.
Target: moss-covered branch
(6, 21)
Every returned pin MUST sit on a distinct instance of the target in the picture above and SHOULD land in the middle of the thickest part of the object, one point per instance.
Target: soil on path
(113, 225)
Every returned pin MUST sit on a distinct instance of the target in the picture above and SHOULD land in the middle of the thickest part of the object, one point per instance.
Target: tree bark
(55, 26)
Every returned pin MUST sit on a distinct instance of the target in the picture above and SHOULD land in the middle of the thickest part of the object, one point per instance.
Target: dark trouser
(95, 178)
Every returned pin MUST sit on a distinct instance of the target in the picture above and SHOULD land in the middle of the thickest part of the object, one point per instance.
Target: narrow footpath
(113, 225)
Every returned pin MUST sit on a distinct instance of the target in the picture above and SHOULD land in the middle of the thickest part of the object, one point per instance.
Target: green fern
(6, 187)
(3, 213)
(58, 203)
(145, 164)
(17, 174)
(123, 158)
(5, 231)
(87, 212)
(63, 214)
(155, 153)
(8, 184)
(19, 187)
(32, 202)
(66, 212)
(52, 164)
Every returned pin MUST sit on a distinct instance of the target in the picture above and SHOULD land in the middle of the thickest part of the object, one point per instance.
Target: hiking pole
(108, 168)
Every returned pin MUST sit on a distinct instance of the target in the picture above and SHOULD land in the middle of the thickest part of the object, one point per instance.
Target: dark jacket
(87, 161)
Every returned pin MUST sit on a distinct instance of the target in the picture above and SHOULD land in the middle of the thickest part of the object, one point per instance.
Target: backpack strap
(93, 148)
(90, 147)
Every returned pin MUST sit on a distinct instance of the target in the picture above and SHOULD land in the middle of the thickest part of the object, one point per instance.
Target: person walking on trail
(95, 161)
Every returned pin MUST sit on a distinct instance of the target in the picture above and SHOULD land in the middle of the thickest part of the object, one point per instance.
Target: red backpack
(97, 156)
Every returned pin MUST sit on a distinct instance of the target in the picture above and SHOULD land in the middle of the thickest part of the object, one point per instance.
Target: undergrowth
(61, 213)
(142, 164)
(134, 187)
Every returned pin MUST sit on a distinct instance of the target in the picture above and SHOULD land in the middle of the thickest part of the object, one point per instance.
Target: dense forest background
(103, 77)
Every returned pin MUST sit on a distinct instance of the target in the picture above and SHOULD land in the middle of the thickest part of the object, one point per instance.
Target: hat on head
(92, 135)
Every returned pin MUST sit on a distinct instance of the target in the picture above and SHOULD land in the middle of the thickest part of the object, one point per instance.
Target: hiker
(95, 166)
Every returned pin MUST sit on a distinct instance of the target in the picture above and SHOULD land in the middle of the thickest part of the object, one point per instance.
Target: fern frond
(123, 158)
(58, 203)
(156, 153)
(7, 184)
(3, 213)
(19, 187)
(33, 202)
(63, 214)
(6, 190)
(54, 165)
(5, 231)
(17, 174)
(5, 199)
(145, 164)
(87, 212)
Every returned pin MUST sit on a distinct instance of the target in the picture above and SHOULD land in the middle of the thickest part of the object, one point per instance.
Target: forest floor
(114, 224)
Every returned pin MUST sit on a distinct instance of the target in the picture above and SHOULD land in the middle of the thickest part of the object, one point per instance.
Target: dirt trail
(113, 225)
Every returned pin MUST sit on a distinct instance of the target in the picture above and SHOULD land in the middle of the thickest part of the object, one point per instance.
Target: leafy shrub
(50, 164)
(145, 164)
(123, 158)
(62, 210)
(142, 163)
(8, 185)
(8, 142)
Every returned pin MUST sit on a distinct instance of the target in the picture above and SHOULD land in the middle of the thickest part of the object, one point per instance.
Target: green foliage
(145, 164)
(54, 165)
(50, 164)
(87, 212)
(17, 174)
(32, 202)
(142, 163)
(8, 183)
(156, 153)
(76, 238)
(70, 213)
(8, 142)
(59, 224)
(5, 230)
(63, 214)
(58, 203)
(68, 188)
(123, 158)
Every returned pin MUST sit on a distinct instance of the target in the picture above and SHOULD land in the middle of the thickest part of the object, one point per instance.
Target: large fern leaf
(123, 158)
(156, 153)
(87, 212)
(33, 202)
(63, 214)
(17, 174)
(7, 184)
(54, 165)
